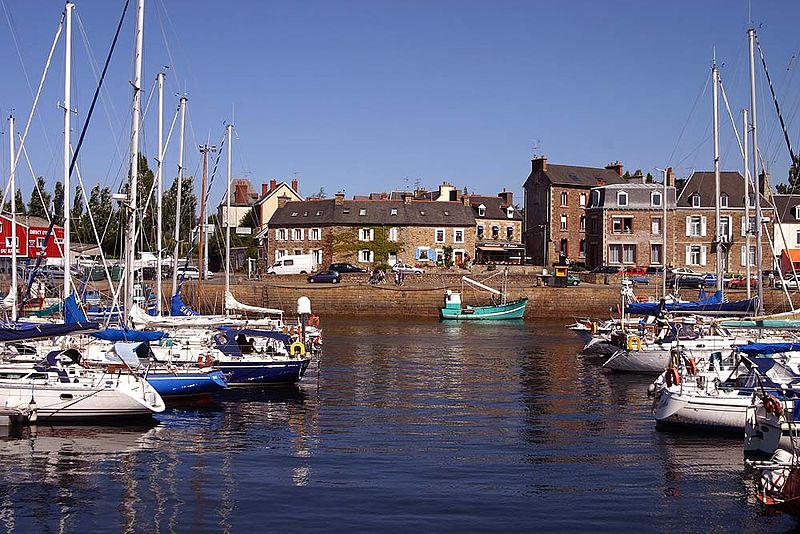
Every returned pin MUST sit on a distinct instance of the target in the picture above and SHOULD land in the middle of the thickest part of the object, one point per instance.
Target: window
(563, 248)
(748, 226)
(297, 234)
(288, 262)
(622, 198)
(294, 213)
(696, 255)
(509, 233)
(582, 199)
(798, 240)
(510, 212)
(495, 232)
(725, 228)
(593, 225)
(314, 234)
(362, 211)
(656, 199)
(583, 223)
(40, 242)
(656, 225)
(393, 235)
(296, 252)
(281, 234)
(280, 253)
(366, 234)
(438, 235)
(563, 199)
(656, 256)
(582, 248)
(695, 200)
(695, 226)
(480, 231)
(393, 212)
(723, 200)
(752, 199)
(622, 225)
(346, 211)
(615, 253)
(319, 212)
(595, 198)
(563, 222)
(317, 253)
(423, 254)
(481, 210)
(9, 242)
(305, 214)
(458, 235)
(365, 256)
(628, 253)
(439, 254)
(748, 255)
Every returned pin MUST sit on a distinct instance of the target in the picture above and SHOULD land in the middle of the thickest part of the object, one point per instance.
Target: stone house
(498, 228)
(556, 197)
(243, 197)
(695, 225)
(267, 205)
(625, 224)
(362, 231)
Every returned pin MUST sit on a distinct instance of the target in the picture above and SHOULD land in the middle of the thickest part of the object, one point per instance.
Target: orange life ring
(205, 360)
(673, 378)
(773, 406)
(313, 320)
(691, 366)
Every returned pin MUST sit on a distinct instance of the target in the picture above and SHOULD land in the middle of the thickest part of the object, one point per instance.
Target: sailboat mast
(228, 215)
(746, 173)
(67, 117)
(133, 183)
(751, 36)
(13, 186)
(179, 185)
(664, 234)
(160, 190)
(719, 247)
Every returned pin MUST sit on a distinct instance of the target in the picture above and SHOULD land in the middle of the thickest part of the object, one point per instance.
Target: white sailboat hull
(713, 412)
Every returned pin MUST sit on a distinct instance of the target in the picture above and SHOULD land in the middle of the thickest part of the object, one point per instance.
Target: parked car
(686, 280)
(634, 270)
(573, 280)
(710, 279)
(654, 269)
(606, 269)
(790, 282)
(193, 273)
(740, 282)
(328, 276)
(641, 279)
(293, 264)
(345, 268)
(406, 268)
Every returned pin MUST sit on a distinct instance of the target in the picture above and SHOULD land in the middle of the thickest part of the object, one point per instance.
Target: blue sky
(367, 96)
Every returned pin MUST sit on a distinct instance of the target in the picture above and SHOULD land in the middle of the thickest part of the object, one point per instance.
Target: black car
(345, 268)
(683, 280)
(325, 276)
(606, 269)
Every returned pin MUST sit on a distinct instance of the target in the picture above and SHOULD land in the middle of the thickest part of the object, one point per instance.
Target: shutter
(744, 226)
(688, 255)
(703, 224)
(688, 226)
(744, 256)
(703, 255)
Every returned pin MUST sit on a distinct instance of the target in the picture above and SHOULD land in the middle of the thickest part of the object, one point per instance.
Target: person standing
(771, 279)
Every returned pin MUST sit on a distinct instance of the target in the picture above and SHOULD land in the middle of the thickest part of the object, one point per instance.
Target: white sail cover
(141, 320)
(232, 304)
(8, 301)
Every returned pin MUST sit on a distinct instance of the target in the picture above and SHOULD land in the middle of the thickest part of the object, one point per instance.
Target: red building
(31, 232)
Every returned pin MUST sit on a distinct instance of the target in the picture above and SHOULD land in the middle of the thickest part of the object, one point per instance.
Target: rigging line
(38, 93)
(691, 112)
(36, 183)
(735, 130)
(775, 101)
(58, 202)
(22, 62)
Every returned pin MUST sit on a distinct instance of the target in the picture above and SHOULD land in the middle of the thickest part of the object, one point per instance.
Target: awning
(486, 248)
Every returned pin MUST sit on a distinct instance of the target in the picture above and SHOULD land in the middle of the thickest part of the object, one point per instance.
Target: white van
(297, 264)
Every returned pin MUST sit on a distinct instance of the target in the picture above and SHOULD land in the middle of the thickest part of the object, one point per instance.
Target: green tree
(793, 182)
(188, 214)
(77, 231)
(57, 208)
(38, 204)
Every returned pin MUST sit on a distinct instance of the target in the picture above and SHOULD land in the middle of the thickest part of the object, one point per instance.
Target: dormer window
(695, 200)
(319, 213)
(723, 200)
(393, 212)
(622, 198)
(362, 211)
(482, 210)
(446, 213)
(294, 214)
(510, 212)
(797, 212)
(656, 199)
(346, 211)
(595, 198)
(422, 212)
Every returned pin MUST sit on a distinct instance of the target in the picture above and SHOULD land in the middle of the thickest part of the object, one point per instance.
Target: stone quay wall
(423, 295)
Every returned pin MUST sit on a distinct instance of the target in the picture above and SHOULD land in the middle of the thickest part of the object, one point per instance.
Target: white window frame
(582, 223)
(695, 200)
(752, 256)
(393, 235)
(660, 197)
(366, 234)
(563, 222)
(615, 253)
(455, 235)
(479, 231)
(436, 232)
(660, 254)
(564, 199)
(298, 234)
(481, 210)
(509, 235)
(281, 234)
(723, 200)
(626, 248)
(620, 196)
(317, 256)
(582, 199)
(366, 256)
(696, 225)
(314, 234)
(656, 225)
(726, 233)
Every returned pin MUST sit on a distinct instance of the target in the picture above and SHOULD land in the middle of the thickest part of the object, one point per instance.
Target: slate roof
(576, 176)
(702, 182)
(326, 212)
(784, 206)
(495, 209)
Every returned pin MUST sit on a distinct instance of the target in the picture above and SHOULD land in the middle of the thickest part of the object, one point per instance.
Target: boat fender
(673, 378)
(634, 343)
(773, 406)
(221, 339)
(651, 390)
(594, 327)
(297, 348)
(313, 320)
(691, 366)
(205, 360)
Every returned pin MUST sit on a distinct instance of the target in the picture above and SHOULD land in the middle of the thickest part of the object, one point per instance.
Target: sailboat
(504, 309)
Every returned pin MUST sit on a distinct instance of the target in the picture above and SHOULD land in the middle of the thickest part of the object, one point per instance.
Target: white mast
(67, 116)
(130, 238)
(751, 35)
(178, 200)
(664, 234)
(160, 190)
(228, 216)
(717, 190)
(13, 186)
(746, 199)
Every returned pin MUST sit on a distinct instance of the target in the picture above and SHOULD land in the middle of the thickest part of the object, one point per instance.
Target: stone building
(625, 224)
(265, 207)
(555, 204)
(243, 197)
(368, 231)
(498, 228)
(695, 225)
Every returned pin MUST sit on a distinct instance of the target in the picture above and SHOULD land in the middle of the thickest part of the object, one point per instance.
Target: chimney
(507, 196)
(407, 197)
(465, 200)
(339, 199)
(294, 185)
(670, 177)
(616, 167)
(273, 184)
(384, 196)
(282, 200)
(601, 182)
(264, 190)
(539, 164)
(240, 194)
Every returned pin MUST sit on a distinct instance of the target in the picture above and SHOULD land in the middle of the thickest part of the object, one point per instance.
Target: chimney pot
(539, 164)
(294, 185)
(616, 166)
(338, 198)
(273, 184)
(264, 190)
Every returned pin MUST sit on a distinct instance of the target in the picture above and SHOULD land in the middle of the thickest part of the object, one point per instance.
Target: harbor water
(405, 425)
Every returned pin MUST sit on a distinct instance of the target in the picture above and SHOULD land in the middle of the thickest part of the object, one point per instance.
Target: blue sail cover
(120, 334)
(714, 303)
(22, 331)
(768, 348)
(177, 307)
(72, 312)
(233, 332)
